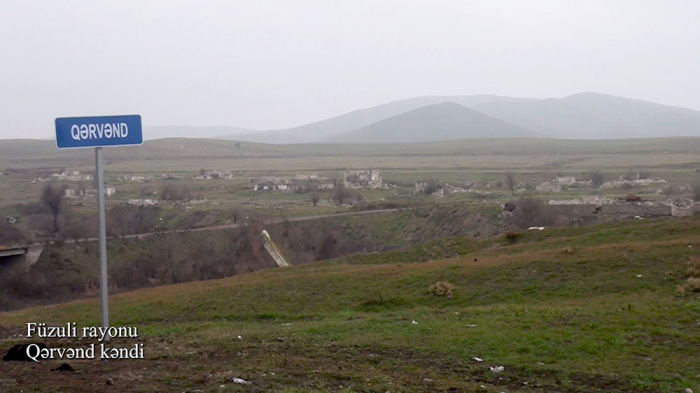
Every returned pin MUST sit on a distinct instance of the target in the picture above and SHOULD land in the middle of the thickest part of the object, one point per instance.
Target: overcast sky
(277, 64)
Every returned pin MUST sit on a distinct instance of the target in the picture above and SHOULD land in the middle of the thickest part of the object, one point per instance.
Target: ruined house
(136, 178)
(87, 192)
(65, 176)
(197, 199)
(211, 175)
(631, 183)
(143, 202)
(370, 178)
(435, 188)
(548, 187)
(565, 180)
(309, 176)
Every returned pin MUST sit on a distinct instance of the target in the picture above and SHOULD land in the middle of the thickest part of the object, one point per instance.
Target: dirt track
(230, 226)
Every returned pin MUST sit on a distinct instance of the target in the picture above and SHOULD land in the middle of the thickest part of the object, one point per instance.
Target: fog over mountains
(437, 118)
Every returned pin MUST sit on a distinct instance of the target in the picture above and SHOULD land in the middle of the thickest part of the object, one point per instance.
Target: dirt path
(231, 226)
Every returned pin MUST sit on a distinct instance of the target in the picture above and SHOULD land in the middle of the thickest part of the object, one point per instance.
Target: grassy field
(592, 309)
(677, 160)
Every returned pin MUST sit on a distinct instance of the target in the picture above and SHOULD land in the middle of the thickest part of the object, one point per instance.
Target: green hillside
(593, 309)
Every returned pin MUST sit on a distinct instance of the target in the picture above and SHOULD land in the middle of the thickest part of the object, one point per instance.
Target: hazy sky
(276, 64)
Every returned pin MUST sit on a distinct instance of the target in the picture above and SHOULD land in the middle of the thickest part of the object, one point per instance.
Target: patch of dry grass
(442, 289)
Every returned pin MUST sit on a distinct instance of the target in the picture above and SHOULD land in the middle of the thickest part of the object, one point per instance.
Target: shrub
(692, 285)
(328, 248)
(443, 289)
(171, 192)
(671, 190)
(77, 228)
(130, 219)
(513, 237)
(633, 198)
(694, 267)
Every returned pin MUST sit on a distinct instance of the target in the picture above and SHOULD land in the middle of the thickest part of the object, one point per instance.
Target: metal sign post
(77, 132)
(104, 293)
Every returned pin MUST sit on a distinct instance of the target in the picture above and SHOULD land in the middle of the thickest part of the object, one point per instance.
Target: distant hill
(596, 116)
(580, 116)
(438, 122)
(327, 129)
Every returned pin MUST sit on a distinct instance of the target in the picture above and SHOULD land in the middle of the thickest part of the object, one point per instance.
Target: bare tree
(597, 178)
(52, 199)
(432, 186)
(696, 193)
(511, 183)
(131, 220)
(341, 194)
(171, 192)
(235, 215)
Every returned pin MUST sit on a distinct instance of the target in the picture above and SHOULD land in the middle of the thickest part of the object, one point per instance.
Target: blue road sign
(98, 131)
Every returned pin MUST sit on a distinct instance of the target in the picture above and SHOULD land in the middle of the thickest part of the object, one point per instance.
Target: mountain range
(438, 118)
(597, 116)
(329, 128)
